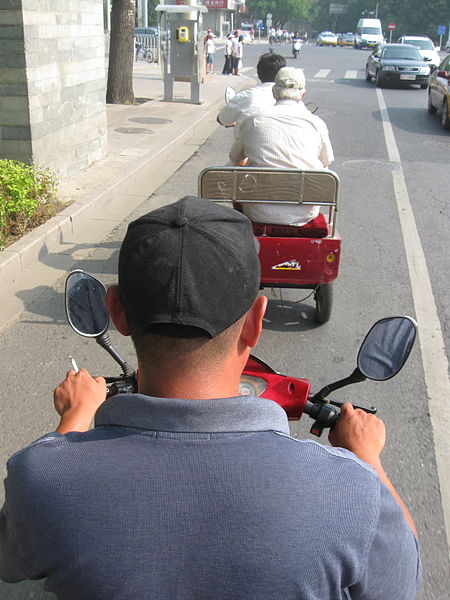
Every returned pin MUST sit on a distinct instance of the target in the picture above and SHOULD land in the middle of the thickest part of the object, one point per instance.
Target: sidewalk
(146, 144)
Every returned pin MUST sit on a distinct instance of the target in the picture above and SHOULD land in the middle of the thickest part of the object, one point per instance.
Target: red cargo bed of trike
(298, 262)
(290, 262)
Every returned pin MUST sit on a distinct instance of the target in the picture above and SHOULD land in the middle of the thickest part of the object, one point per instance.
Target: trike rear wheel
(324, 301)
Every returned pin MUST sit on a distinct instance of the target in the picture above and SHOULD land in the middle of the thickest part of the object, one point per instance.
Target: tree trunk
(121, 53)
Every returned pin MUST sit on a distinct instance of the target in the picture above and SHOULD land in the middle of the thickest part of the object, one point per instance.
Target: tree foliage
(282, 11)
(411, 17)
(152, 14)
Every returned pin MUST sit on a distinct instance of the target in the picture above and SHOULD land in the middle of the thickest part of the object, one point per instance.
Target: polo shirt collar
(238, 414)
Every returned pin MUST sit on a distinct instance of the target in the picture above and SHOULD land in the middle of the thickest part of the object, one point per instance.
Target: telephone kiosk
(181, 46)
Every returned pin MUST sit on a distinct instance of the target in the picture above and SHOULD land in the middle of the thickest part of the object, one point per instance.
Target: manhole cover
(150, 120)
(443, 145)
(324, 112)
(372, 163)
(133, 130)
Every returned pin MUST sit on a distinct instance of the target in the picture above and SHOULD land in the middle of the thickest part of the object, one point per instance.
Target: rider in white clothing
(256, 99)
(285, 136)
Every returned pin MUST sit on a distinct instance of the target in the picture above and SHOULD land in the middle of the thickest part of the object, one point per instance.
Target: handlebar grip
(324, 415)
(334, 419)
(121, 385)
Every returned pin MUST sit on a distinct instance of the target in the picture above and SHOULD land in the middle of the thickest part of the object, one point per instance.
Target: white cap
(290, 77)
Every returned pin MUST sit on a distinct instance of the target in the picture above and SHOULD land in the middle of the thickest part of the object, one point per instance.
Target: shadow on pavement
(288, 315)
(25, 590)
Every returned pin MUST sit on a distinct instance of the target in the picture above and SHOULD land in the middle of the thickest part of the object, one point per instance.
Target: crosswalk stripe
(322, 73)
(351, 74)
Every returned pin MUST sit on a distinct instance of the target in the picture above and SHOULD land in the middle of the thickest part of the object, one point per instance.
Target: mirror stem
(104, 341)
(355, 377)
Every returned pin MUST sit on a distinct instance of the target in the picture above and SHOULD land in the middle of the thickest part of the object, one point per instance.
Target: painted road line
(322, 73)
(351, 75)
(431, 339)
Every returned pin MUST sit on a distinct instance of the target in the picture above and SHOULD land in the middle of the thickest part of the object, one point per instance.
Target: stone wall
(52, 83)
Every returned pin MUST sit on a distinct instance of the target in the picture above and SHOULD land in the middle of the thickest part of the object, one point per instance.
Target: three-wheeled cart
(286, 261)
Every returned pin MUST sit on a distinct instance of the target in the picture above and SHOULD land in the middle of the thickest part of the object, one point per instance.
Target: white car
(326, 38)
(425, 46)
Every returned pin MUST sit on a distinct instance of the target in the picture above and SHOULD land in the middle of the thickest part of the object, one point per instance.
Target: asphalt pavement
(146, 143)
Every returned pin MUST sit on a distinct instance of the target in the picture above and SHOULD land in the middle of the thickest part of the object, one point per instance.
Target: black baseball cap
(191, 264)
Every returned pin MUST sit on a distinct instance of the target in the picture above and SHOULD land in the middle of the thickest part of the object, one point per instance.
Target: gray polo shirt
(201, 499)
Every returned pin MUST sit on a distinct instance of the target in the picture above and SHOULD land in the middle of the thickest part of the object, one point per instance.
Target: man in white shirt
(228, 58)
(286, 136)
(256, 99)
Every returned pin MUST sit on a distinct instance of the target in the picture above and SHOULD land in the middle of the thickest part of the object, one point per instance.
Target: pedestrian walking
(209, 50)
(271, 35)
(227, 67)
(237, 58)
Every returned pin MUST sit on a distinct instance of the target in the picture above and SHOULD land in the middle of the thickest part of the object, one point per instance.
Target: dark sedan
(397, 63)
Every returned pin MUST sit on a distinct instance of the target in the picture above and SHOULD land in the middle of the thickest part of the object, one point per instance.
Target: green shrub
(27, 198)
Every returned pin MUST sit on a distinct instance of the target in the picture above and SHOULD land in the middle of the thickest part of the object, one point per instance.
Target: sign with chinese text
(219, 4)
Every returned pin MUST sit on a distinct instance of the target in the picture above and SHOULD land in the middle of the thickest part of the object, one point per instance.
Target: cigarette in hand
(74, 364)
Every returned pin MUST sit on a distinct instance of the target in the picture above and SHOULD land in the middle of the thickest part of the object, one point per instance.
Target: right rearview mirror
(386, 347)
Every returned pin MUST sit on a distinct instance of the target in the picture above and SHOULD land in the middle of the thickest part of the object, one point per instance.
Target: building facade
(52, 83)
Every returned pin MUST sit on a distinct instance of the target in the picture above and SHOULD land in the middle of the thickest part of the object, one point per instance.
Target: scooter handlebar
(121, 385)
(324, 415)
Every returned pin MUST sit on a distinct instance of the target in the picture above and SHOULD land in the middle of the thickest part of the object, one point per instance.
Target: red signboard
(391, 25)
(209, 3)
(215, 3)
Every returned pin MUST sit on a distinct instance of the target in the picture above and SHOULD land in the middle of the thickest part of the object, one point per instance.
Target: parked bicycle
(143, 53)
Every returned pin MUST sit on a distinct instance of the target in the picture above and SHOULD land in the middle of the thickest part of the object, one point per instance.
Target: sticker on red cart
(290, 265)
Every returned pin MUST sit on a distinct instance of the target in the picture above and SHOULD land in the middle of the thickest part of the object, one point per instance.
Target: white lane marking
(315, 80)
(351, 75)
(431, 339)
(322, 73)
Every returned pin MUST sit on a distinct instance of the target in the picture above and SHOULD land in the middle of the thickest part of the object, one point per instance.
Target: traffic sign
(441, 29)
(391, 25)
(269, 16)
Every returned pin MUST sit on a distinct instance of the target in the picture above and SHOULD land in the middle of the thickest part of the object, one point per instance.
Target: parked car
(425, 46)
(147, 30)
(439, 92)
(326, 38)
(346, 39)
(447, 46)
(397, 63)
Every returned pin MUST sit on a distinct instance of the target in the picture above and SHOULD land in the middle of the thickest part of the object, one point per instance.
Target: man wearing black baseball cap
(187, 490)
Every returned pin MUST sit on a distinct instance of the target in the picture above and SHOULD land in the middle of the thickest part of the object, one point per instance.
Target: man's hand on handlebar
(365, 435)
(361, 433)
(77, 399)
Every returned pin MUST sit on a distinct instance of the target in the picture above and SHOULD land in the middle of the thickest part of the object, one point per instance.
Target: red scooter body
(290, 393)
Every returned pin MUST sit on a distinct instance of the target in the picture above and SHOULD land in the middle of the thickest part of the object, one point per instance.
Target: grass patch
(27, 199)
